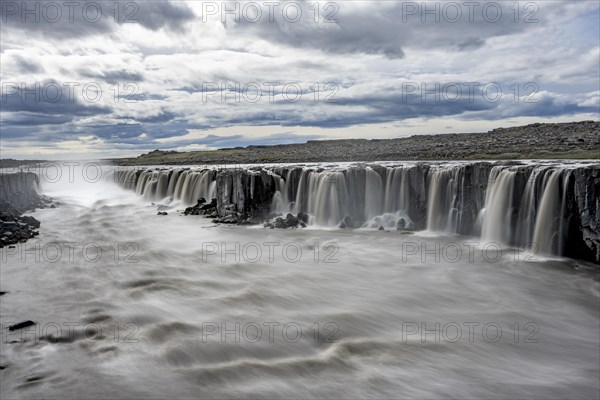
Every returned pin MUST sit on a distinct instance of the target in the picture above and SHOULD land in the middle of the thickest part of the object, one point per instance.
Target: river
(129, 304)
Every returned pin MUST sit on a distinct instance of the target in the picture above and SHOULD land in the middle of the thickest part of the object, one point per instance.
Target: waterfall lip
(342, 166)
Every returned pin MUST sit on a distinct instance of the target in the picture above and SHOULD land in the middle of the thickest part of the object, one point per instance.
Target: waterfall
(521, 203)
(548, 225)
(185, 185)
(374, 194)
(498, 206)
(397, 195)
(328, 197)
(440, 205)
(280, 203)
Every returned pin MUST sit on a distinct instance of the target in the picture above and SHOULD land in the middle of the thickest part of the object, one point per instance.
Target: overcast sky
(102, 79)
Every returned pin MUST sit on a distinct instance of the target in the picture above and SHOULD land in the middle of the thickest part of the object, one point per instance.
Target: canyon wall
(20, 189)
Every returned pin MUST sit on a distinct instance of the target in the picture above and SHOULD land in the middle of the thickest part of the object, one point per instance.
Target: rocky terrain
(575, 140)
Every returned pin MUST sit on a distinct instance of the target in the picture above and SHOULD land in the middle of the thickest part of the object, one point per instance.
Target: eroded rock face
(20, 189)
(243, 194)
(18, 194)
(583, 240)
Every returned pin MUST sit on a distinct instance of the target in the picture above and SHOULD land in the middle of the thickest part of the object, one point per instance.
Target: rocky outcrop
(18, 194)
(244, 194)
(583, 197)
(290, 221)
(15, 228)
(203, 208)
(20, 189)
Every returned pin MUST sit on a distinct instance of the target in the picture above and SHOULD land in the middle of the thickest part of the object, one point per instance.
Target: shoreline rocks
(15, 228)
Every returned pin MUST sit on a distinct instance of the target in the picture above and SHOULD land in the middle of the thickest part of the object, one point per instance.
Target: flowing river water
(129, 304)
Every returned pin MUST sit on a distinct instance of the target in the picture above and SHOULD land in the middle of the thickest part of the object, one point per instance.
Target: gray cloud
(87, 17)
(368, 54)
(386, 28)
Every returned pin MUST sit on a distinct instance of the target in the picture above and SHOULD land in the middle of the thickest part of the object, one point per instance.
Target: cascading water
(185, 185)
(520, 204)
(397, 189)
(374, 194)
(440, 206)
(328, 198)
(498, 206)
(547, 235)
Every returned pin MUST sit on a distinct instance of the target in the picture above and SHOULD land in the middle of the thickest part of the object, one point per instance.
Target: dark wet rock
(302, 217)
(290, 221)
(202, 208)
(279, 223)
(21, 325)
(348, 223)
(246, 192)
(583, 203)
(162, 213)
(229, 219)
(15, 228)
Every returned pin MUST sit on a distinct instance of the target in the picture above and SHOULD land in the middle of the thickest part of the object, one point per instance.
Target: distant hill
(574, 140)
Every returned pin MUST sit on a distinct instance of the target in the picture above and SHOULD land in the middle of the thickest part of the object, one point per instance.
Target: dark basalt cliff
(18, 194)
(584, 205)
(20, 189)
